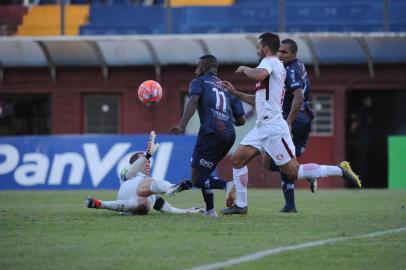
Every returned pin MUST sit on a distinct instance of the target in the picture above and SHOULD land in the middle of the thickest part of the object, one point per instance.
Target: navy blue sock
(210, 182)
(288, 189)
(208, 198)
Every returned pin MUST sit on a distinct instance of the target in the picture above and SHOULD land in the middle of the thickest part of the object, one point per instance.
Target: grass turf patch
(53, 230)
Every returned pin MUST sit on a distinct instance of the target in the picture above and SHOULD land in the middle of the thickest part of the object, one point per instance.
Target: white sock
(160, 186)
(170, 209)
(240, 179)
(120, 205)
(312, 170)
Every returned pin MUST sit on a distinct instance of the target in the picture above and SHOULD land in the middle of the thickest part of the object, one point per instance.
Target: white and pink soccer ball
(150, 92)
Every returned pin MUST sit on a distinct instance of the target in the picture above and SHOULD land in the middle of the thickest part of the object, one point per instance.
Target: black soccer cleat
(288, 210)
(92, 202)
(234, 210)
(184, 185)
(312, 184)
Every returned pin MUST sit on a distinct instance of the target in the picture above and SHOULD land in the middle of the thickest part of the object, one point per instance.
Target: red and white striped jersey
(270, 92)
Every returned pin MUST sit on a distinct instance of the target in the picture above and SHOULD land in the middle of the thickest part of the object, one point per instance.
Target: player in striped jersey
(271, 133)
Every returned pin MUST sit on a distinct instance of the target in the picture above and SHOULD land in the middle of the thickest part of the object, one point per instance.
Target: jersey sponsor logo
(82, 162)
(294, 84)
(205, 163)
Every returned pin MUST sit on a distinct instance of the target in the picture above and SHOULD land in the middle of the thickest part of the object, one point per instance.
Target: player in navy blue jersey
(297, 112)
(218, 111)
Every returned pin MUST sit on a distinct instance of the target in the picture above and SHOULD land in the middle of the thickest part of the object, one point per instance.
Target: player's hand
(229, 86)
(240, 70)
(177, 130)
(152, 147)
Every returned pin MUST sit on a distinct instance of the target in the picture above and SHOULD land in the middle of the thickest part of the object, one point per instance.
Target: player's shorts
(274, 139)
(210, 149)
(301, 129)
(129, 191)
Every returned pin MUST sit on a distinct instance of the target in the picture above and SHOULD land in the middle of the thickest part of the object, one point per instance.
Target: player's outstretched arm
(190, 109)
(250, 99)
(258, 74)
(139, 164)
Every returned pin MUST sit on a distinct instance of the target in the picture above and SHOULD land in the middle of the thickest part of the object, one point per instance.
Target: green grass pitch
(53, 230)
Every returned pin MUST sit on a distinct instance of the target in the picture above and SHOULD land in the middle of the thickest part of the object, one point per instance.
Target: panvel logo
(37, 168)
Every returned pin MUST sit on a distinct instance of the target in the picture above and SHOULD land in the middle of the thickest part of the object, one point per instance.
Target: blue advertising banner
(86, 161)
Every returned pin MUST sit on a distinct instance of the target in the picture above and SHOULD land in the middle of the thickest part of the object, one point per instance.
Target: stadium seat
(45, 20)
(183, 3)
(245, 16)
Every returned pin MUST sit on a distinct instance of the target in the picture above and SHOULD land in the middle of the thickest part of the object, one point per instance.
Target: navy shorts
(210, 149)
(301, 129)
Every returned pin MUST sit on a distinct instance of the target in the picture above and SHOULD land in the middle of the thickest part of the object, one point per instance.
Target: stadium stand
(44, 20)
(132, 17)
(10, 17)
(183, 3)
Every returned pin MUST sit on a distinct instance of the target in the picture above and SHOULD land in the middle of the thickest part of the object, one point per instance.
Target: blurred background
(74, 67)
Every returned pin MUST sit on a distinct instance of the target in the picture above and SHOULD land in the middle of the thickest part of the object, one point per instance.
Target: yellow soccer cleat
(349, 174)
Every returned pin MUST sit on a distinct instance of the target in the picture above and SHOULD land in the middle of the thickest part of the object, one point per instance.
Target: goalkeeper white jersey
(270, 92)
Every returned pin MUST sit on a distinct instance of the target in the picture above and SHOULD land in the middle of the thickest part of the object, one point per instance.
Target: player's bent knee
(290, 169)
(237, 162)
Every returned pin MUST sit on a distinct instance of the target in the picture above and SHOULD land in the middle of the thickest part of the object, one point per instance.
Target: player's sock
(160, 186)
(240, 178)
(312, 170)
(208, 197)
(210, 182)
(120, 205)
(288, 189)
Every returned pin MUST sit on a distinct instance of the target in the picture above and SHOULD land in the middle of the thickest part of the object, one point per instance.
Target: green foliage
(53, 230)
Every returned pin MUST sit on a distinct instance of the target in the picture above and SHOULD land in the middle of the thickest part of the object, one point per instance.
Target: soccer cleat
(92, 202)
(288, 210)
(349, 174)
(195, 210)
(313, 184)
(184, 185)
(210, 213)
(234, 210)
(230, 194)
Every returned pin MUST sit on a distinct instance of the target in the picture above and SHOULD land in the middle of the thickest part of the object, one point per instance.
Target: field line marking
(272, 251)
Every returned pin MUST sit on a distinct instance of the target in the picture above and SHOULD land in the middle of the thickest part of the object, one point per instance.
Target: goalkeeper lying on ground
(138, 192)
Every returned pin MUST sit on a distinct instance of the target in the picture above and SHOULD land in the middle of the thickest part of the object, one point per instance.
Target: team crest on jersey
(279, 157)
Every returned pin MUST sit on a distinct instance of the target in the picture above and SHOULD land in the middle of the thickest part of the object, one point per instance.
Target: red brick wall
(73, 83)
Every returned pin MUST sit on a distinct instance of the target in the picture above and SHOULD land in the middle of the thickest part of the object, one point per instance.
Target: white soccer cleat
(211, 213)
(195, 210)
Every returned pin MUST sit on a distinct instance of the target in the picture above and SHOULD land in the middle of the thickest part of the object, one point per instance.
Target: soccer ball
(150, 92)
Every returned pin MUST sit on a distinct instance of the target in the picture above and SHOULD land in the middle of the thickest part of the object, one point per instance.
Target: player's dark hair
(210, 61)
(135, 156)
(270, 40)
(292, 44)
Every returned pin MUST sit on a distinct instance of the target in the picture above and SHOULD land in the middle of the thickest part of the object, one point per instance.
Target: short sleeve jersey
(217, 108)
(270, 92)
(296, 78)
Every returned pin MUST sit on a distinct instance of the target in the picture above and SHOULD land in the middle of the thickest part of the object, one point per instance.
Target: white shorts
(129, 191)
(274, 140)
